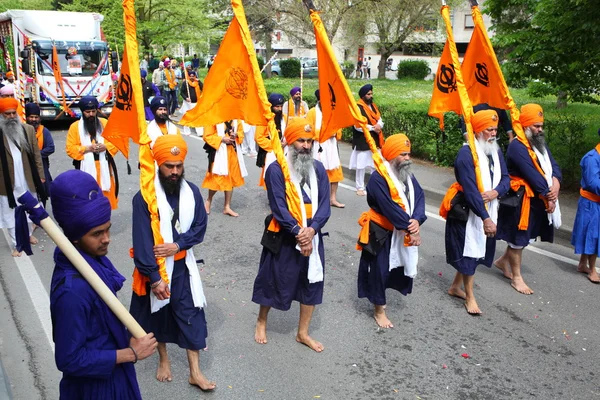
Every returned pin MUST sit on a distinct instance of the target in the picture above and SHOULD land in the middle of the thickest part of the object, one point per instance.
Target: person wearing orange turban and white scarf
(533, 169)
(390, 233)
(470, 240)
(170, 302)
(293, 257)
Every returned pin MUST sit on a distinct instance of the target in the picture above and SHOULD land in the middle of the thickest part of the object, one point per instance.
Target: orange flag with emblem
(445, 96)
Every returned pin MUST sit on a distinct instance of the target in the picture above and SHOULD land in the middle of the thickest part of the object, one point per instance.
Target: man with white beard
(20, 167)
(293, 257)
(390, 233)
(470, 235)
(537, 177)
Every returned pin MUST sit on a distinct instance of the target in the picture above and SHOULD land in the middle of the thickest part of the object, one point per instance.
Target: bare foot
(207, 206)
(163, 372)
(457, 292)
(382, 320)
(335, 203)
(583, 269)
(230, 212)
(361, 192)
(503, 266)
(310, 342)
(593, 276)
(260, 333)
(472, 307)
(520, 286)
(33, 240)
(15, 253)
(204, 384)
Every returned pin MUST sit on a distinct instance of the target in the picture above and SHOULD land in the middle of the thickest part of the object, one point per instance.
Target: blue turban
(78, 203)
(157, 102)
(364, 90)
(276, 99)
(88, 103)
(192, 73)
(143, 73)
(32, 109)
(318, 94)
(294, 90)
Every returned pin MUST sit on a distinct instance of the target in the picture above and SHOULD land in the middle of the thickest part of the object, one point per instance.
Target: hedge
(413, 69)
(290, 68)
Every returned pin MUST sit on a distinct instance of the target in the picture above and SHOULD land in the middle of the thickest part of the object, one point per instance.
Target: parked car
(310, 68)
(275, 68)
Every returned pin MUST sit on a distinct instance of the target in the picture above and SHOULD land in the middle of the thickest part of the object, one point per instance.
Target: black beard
(368, 101)
(278, 118)
(539, 142)
(170, 187)
(91, 125)
(161, 120)
(35, 125)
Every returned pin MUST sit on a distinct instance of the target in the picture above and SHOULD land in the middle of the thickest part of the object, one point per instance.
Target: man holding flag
(44, 140)
(262, 136)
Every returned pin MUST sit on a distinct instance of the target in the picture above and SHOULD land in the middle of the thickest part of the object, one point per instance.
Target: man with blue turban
(93, 349)
(149, 91)
(44, 141)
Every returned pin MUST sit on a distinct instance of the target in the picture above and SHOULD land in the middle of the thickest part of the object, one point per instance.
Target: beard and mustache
(302, 162)
(489, 146)
(368, 101)
(170, 185)
(538, 141)
(403, 170)
(13, 129)
(161, 119)
(92, 125)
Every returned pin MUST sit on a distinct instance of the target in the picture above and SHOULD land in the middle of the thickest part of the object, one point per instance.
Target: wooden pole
(269, 62)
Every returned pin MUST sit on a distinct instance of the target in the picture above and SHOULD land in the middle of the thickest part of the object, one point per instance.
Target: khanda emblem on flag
(237, 83)
(446, 79)
(481, 74)
(124, 92)
(332, 94)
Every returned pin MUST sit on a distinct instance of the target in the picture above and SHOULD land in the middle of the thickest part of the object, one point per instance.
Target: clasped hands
(228, 139)
(304, 239)
(414, 232)
(96, 148)
(161, 291)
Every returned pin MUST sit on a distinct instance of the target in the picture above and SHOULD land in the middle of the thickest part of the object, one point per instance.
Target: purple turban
(143, 73)
(294, 90)
(78, 203)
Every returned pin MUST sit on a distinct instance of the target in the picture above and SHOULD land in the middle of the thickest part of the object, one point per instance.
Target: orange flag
(58, 78)
(231, 90)
(445, 96)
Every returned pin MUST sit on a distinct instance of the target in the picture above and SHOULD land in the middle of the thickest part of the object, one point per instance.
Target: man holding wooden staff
(93, 348)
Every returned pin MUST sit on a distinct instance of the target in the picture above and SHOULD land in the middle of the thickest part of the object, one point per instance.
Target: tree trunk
(268, 52)
(385, 54)
(561, 99)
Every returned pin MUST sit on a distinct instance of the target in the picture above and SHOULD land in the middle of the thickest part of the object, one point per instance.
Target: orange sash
(170, 75)
(196, 88)
(140, 280)
(589, 195)
(447, 201)
(274, 225)
(292, 109)
(379, 219)
(515, 183)
(39, 134)
(374, 115)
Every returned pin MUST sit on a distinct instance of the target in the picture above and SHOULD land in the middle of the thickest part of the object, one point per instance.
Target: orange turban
(531, 114)
(10, 74)
(395, 145)
(8, 103)
(298, 128)
(483, 120)
(169, 148)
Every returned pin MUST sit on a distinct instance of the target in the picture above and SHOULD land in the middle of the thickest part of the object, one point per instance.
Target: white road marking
(37, 292)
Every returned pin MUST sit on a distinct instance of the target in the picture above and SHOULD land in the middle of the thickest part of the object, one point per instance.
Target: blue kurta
(283, 277)
(87, 334)
(179, 321)
(374, 275)
(586, 229)
(519, 164)
(47, 150)
(464, 171)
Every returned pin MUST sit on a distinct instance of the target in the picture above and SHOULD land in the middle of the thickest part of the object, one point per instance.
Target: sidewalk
(435, 181)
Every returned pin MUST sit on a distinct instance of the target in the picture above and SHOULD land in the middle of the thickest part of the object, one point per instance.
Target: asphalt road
(541, 346)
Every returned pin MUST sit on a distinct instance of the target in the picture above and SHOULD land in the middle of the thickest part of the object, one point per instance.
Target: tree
(554, 41)
(263, 20)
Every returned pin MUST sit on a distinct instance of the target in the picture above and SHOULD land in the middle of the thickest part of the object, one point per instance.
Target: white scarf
(187, 206)
(555, 218)
(88, 164)
(475, 239)
(400, 255)
(315, 266)
(329, 156)
(154, 131)
(221, 162)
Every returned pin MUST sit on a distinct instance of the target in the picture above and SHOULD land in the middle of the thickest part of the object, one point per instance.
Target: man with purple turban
(93, 349)
(295, 107)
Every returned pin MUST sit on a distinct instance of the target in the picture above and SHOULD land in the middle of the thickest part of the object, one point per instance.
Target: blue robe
(586, 229)
(47, 150)
(519, 164)
(464, 171)
(87, 334)
(282, 277)
(374, 275)
(179, 321)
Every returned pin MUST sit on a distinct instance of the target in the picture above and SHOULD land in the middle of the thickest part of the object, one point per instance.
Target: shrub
(413, 69)
(290, 68)
(261, 62)
(539, 89)
(347, 68)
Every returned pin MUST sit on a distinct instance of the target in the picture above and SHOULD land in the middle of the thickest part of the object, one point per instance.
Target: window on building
(469, 24)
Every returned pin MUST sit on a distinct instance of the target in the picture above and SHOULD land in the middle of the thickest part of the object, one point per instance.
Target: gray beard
(13, 129)
(489, 148)
(402, 170)
(302, 163)
(539, 141)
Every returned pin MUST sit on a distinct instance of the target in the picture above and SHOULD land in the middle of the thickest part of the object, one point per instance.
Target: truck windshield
(83, 63)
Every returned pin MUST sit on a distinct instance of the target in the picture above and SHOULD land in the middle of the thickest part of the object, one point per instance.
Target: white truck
(83, 56)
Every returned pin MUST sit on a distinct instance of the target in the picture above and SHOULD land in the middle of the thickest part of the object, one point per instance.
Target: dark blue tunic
(46, 151)
(520, 164)
(586, 229)
(374, 275)
(179, 321)
(87, 334)
(464, 171)
(282, 277)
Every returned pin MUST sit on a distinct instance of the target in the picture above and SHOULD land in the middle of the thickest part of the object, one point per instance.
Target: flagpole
(269, 62)
(474, 3)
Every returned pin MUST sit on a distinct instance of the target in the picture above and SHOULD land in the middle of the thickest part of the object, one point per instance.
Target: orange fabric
(169, 148)
(395, 145)
(112, 193)
(163, 128)
(222, 182)
(445, 96)
(192, 84)
(75, 149)
(483, 120)
(374, 115)
(59, 80)
(363, 221)
(335, 175)
(8, 103)
(274, 225)
(10, 74)
(140, 281)
(589, 195)
(291, 111)
(298, 127)
(170, 75)
(531, 114)
(446, 205)
(515, 183)
(39, 134)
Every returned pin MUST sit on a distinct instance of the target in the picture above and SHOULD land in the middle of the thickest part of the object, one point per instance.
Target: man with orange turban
(226, 167)
(535, 175)
(470, 235)
(21, 170)
(293, 257)
(390, 237)
(169, 300)
(90, 152)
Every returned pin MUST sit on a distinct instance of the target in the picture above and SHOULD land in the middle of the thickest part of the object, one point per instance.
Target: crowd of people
(513, 197)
